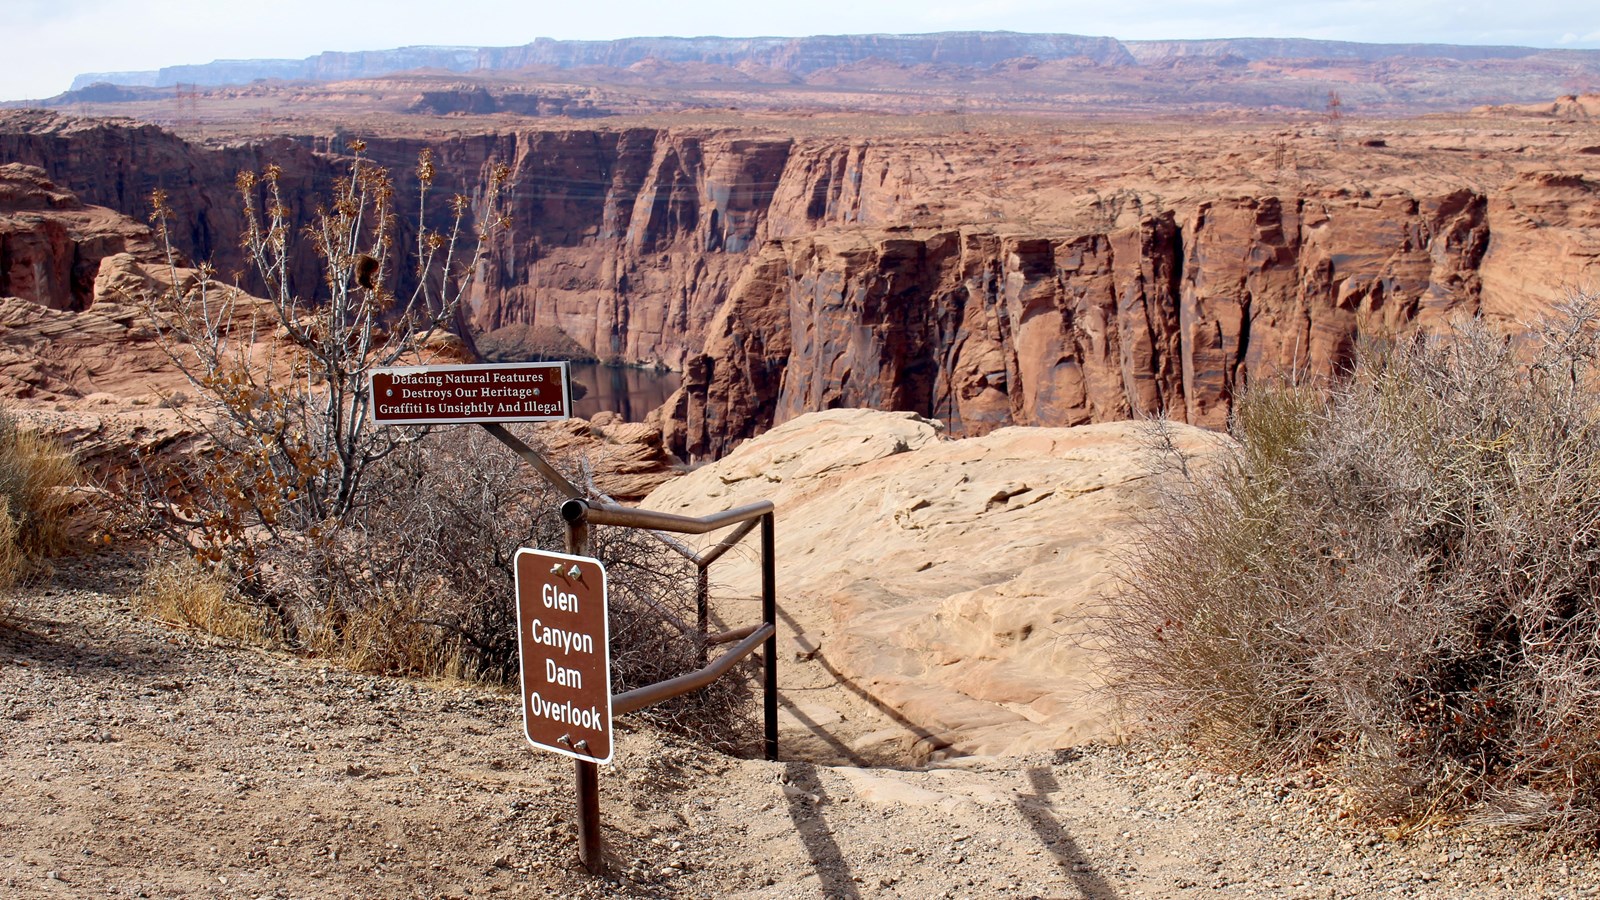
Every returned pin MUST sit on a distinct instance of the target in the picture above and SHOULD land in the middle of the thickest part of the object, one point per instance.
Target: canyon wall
(804, 55)
(985, 328)
(798, 55)
(778, 275)
(627, 240)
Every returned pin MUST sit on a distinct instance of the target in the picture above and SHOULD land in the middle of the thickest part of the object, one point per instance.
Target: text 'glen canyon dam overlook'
(1013, 450)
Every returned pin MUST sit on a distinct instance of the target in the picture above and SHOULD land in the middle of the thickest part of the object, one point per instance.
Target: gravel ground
(141, 761)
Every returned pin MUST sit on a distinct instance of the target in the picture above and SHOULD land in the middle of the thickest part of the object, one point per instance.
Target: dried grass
(182, 592)
(1397, 578)
(35, 477)
(421, 583)
(11, 561)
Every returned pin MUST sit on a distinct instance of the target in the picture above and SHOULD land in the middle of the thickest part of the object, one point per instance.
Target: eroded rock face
(82, 359)
(1546, 228)
(780, 275)
(986, 328)
(51, 243)
(954, 583)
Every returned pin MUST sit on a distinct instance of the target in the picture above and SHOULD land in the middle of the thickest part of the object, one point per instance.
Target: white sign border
(605, 600)
(567, 401)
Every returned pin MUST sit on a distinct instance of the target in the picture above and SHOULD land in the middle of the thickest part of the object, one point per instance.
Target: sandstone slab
(952, 585)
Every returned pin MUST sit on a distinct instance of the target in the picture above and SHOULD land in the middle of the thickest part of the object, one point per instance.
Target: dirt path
(138, 761)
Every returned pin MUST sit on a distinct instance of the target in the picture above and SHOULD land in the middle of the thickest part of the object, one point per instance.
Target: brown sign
(447, 395)
(565, 648)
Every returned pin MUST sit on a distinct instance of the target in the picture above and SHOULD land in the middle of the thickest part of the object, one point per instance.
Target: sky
(47, 42)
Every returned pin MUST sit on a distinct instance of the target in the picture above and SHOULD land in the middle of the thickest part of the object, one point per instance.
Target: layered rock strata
(1173, 315)
(984, 282)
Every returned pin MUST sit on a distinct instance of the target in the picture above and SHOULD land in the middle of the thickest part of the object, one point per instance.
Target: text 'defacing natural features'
(565, 652)
(462, 394)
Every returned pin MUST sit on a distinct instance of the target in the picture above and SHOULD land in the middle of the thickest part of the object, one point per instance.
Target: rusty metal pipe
(533, 458)
(651, 694)
(578, 509)
(728, 637)
(723, 546)
(769, 614)
(586, 773)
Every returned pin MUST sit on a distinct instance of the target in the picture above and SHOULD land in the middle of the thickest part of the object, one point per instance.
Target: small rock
(805, 649)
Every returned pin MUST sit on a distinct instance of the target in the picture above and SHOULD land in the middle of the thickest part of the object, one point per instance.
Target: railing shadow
(830, 865)
(1034, 808)
(50, 644)
(822, 734)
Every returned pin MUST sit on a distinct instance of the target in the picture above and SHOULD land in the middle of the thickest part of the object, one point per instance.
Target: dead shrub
(426, 584)
(11, 559)
(1397, 577)
(390, 548)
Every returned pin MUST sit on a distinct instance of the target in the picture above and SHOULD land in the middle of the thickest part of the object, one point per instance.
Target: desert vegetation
(1394, 580)
(35, 477)
(305, 525)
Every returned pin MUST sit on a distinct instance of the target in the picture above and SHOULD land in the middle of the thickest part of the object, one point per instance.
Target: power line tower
(1336, 118)
(186, 109)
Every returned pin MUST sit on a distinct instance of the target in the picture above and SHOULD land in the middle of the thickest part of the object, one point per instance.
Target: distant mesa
(106, 92)
(797, 55)
(805, 55)
(479, 100)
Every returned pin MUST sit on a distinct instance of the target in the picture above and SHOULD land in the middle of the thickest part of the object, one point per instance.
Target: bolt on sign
(565, 649)
(451, 395)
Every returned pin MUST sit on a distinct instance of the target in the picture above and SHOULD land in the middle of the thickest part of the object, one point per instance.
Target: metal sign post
(563, 638)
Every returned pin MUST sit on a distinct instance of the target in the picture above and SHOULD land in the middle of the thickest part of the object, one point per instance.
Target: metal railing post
(702, 608)
(588, 773)
(769, 614)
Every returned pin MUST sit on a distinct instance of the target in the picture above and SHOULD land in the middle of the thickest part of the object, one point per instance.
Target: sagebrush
(1396, 577)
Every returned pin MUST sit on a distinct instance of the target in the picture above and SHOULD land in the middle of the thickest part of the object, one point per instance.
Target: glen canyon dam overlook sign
(565, 649)
(457, 395)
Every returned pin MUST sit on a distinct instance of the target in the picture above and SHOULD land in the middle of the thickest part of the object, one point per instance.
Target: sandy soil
(141, 761)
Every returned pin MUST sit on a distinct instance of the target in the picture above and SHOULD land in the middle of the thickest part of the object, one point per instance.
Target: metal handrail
(731, 635)
(651, 694)
(579, 509)
(579, 514)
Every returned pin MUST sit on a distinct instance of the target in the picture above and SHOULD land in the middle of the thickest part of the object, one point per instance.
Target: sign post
(565, 651)
(563, 639)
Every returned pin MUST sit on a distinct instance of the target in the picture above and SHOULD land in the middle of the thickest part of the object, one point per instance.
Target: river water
(629, 392)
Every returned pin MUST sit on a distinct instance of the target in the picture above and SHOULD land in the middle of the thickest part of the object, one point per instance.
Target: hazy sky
(47, 42)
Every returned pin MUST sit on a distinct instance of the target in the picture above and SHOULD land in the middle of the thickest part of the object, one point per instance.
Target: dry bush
(35, 508)
(389, 547)
(426, 585)
(11, 560)
(1398, 578)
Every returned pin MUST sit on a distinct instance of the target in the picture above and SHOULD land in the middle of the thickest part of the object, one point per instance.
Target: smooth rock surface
(951, 584)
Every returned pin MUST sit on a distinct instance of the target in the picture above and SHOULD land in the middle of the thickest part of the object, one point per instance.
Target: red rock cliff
(987, 328)
(986, 280)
